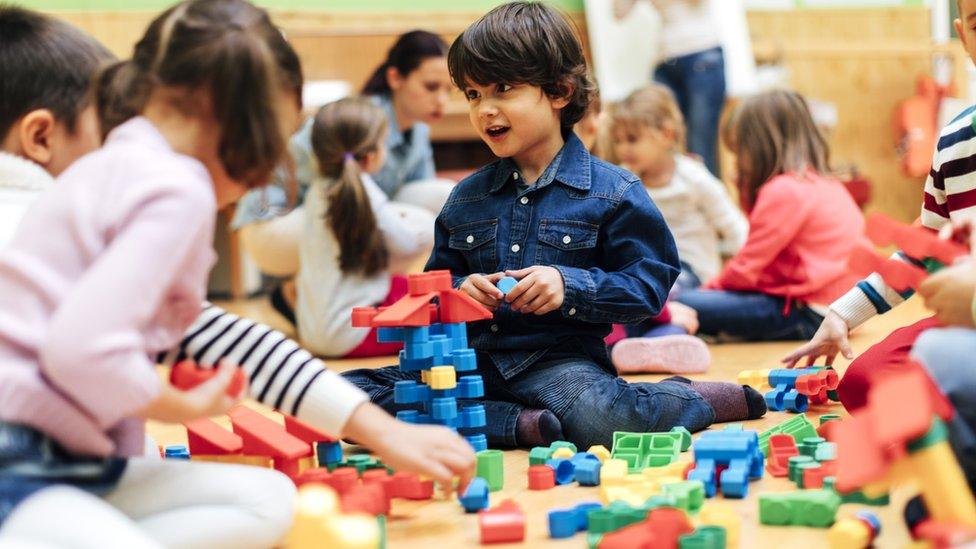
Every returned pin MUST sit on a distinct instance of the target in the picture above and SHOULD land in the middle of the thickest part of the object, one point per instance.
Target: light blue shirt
(409, 157)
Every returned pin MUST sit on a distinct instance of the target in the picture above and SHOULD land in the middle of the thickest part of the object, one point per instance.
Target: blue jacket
(592, 221)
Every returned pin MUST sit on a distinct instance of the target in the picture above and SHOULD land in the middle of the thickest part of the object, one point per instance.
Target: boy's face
(643, 150)
(966, 26)
(38, 136)
(513, 120)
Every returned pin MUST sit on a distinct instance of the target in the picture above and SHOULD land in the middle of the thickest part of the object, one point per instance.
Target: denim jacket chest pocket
(476, 242)
(566, 242)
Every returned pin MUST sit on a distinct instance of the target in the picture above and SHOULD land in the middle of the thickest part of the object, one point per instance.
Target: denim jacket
(409, 157)
(592, 221)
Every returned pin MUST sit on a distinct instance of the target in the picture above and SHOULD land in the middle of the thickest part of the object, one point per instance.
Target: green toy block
(540, 455)
(660, 500)
(803, 467)
(563, 444)
(794, 466)
(936, 434)
(829, 417)
(816, 508)
(491, 467)
(593, 540)
(685, 437)
(614, 517)
(706, 537)
(855, 497)
(381, 521)
(643, 450)
(690, 494)
(809, 445)
(797, 427)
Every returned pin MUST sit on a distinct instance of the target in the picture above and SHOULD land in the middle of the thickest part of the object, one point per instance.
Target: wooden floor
(424, 524)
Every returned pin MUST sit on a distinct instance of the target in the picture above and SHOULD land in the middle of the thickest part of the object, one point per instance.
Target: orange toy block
(409, 486)
(362, 317)
(206, 437)
(661, 529)
(408, 311)
(186, 375)
(366, 498)
(425, 283)
(460, 307)
(304, 431)
(264, 437)
(503, 523)
(781, 448)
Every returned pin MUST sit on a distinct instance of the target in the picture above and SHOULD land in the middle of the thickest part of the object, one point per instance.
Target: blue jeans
(687, 280)
(947, 353)
(750, 316)
(698, 83)
(589, 399)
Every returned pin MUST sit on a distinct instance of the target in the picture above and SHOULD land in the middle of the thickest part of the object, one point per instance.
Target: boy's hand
(830, 339)
(482, 288)
(684, 316)
(432, 451)
(949, 293)
(205, 400)
(540, 290)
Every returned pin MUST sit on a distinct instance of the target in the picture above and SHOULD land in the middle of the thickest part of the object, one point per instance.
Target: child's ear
(960, 32)
(33, 135)
(393, 78)
(566, 91)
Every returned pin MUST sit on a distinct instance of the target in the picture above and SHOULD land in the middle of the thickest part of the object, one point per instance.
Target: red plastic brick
(344, 479)
(502, 524)
(781, 449)
(408, 311)
(661, 529)
(206, 437)
(362, 317)
(317, 475)
(186, 375)
(541, 477)
(814, 478)
(365, 498)
(304, 431)
(379, 477)
(901, 276)
(288, 467)
(263, 437)
(941, 534)
(460, 307)
(409, 486)
(425, 283)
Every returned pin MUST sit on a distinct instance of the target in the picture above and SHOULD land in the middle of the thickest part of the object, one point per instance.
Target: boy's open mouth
(496, 131)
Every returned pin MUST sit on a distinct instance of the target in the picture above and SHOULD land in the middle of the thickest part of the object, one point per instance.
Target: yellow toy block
(613, 470)
(425, 377)
(319, 523)
(672, 470)
(563, 453)
(714, 513)
(442, 377)
(757, 379)
(849, 533)
(943, 485)
(600, 452)
(634, 490)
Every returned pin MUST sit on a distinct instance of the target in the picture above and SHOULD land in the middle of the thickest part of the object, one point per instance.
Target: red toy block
(344, 479)
(304, 431)
(941, 534)
(264, 437)
(206, 437)
(317, 475)
(425, 283)
(380, 477)
(541, 477)
(186, 375)
(362, 317)
(365, 498)
(864, 260)
(502, 524)
(781, 449)
(660, 530)
(408, 311)
(288, 467)
(895, 426)
(814, 478)
(460, 307)
(409, 486)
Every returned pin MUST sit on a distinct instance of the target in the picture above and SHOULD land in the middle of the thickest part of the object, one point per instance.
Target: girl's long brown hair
(773, 133)
(343, 133)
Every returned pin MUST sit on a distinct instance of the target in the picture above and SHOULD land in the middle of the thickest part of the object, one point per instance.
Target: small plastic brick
(413, 364)
(206, 437)
(475, 497)
(429, 282)
(579, 457)
(177, 451)
(826, 452)
(540, 455)
(562, 523)
(588, 472)
(600, 452)
(565, 470)
(473, 416)
(264, 437)
(720, 514)
(563, 444)
(797, 426)
(362, 317)
(328, 452)
(812, 475)
(690, 494)
(470, 387)
(541, 477)
(410, 311)
(442, 377)
(344, 479)
(816, 508)
(389, 335)
(793, 468)
(563, 453)
(582, 514)
(706, 537)
(851, 533)
(808, 446)
(506, 284)
(504, 523)
(465, 360)
(443, 408)
(685, 436)
(642, 450)
(479, 442)
(365, 498)
(458, 306)
(410, 392)
(757, 379)
(491, 467)
(409, 486)
(186, 375)
(781, 448)
(737, 451)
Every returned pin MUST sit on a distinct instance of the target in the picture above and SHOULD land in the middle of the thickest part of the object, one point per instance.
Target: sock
(537, 428)
(280, 304)
(731, 402)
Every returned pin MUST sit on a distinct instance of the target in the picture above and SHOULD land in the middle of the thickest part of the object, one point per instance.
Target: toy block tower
(435, 343)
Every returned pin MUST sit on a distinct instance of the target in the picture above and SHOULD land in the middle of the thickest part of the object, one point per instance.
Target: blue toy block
(786, 376)
(423, 419)
(443, 408)
(579, 457)
(177, 451)
(389, 335)
(328, 452)
(795, 402)
(871, 519)
(582, 512)
(414, 364)
(415, 351)
(457, 333)
(738, 451)
(410, 392)
(473, 416)
(475, 497)
(464, 360)
(416, 335)
(470, 387)
(565, 470)
(563, 523)
(443, 393)
(478, 442)
(442, 352)
(506, 284)
(784, 396)
(408, 416)
(588, 472)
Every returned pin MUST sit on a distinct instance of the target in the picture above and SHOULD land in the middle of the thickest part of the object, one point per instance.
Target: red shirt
(802, 231)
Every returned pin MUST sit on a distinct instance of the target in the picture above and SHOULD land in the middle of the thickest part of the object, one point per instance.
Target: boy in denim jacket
(582, 237)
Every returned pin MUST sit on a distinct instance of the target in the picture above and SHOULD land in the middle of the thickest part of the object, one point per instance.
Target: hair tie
(348, 156)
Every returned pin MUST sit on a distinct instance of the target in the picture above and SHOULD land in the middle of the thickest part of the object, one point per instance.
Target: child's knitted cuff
(854, 307)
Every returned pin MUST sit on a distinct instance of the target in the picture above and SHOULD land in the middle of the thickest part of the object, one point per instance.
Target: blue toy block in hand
(506, 284)
(475, 497)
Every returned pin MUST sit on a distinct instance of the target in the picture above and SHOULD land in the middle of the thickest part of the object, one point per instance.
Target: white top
(702, 217)
(21, 182)
(326, 295)
(686, 27)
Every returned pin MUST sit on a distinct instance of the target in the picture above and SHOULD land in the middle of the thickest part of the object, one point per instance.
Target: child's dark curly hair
(525, 43)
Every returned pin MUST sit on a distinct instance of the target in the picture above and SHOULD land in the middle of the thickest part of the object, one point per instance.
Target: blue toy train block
(783, 398)
(478, 442)
(795, 402)
(416, 335)
(475, 497)
(473, 416)
(408, 416)
(389, 335)
(563, 523)
(464, 360)
(457, 333)
(328, 452)
(506, 284)
(414, 364)
(410, 392)
(423, 419)
(443, 408)
(580, 457)
(738, 451)
(588, 472)
(470, 387)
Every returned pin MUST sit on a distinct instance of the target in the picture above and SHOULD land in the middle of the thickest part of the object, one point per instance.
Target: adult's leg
(749, 316)
(273, 244)
(429, 194)
(704, 75)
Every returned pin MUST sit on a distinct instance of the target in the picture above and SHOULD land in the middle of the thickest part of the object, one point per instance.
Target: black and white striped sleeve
(281, 373)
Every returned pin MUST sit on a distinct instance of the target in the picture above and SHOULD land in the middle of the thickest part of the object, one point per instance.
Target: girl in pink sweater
(803, 226)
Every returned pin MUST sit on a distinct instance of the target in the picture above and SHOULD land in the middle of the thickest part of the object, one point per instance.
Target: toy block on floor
(662, 528)
(371, 499)
(857, 532)
(541, 477)
(206, 437)
(706, 537)
(475, 496)
(738, 451)
(264, 437)
(642, 450)
(781, 448)
(815, 508)
(176, 451)
(186, 375)
(491, 467)
(722, 515)
(409, 486)
(565, 470)
(600, 452)
(798, 427)
(305, 432)
(504, 523)
(757, 379)
(587, 472)
(540, 455)
(563, 523)
(689, 494)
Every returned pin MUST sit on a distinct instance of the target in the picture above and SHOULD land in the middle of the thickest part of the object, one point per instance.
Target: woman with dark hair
(411, 86)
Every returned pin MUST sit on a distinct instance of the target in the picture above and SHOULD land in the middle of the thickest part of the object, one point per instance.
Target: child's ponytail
(343, 133)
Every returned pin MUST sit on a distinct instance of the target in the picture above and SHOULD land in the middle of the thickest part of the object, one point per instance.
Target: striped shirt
(950, 192)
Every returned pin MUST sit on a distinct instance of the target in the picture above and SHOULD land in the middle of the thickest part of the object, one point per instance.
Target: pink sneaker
(675, 354)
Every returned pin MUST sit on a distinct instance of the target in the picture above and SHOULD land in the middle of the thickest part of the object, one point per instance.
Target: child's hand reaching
(830, 339)
(949, 293)
(540, 290)
(205, 400)
(482, 288)
(435, 452)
